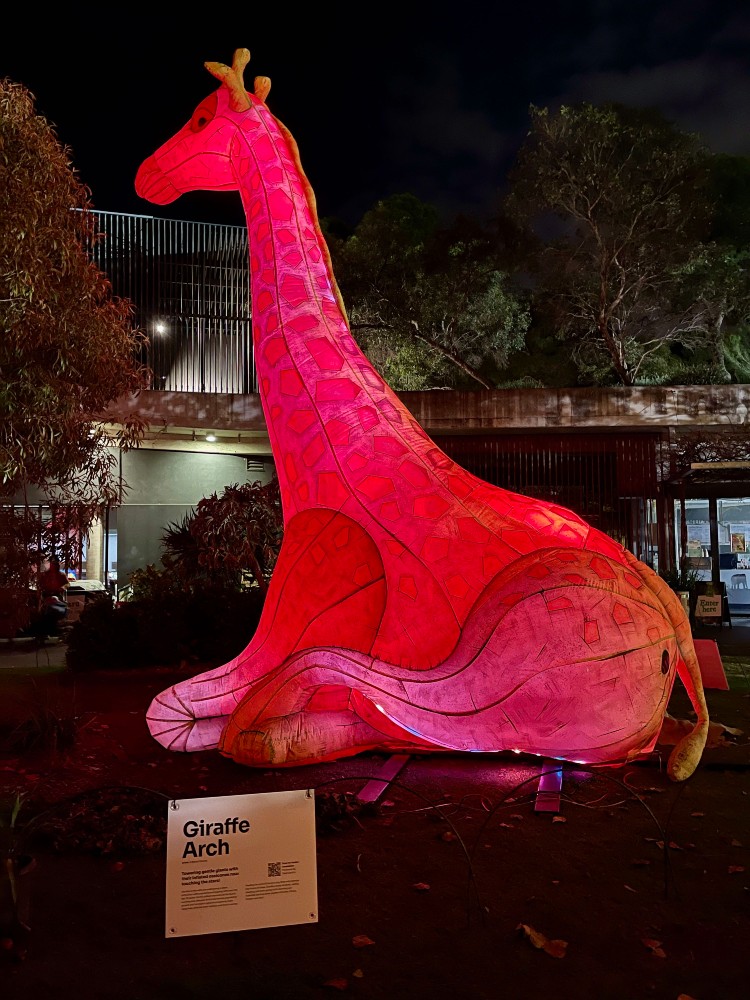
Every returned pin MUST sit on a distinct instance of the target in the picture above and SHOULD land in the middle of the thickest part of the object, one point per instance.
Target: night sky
(382, 98)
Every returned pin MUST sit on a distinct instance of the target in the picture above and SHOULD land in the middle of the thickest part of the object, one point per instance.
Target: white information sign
(237, 862)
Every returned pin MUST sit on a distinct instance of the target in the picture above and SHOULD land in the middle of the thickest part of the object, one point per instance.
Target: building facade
(664, 470)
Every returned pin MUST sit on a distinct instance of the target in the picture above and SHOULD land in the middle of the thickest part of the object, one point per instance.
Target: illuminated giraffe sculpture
(413, 606)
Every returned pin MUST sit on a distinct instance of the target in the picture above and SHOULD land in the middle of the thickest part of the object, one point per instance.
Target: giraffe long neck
(337, 431)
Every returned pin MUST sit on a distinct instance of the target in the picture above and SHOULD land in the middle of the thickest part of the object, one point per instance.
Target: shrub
(209, 627)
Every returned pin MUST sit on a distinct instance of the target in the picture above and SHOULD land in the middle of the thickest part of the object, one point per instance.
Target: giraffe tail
(687, 753)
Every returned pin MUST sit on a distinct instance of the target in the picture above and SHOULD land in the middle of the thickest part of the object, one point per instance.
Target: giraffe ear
(262, 87)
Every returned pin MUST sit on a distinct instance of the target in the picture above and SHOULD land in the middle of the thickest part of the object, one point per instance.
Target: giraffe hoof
(172, 723)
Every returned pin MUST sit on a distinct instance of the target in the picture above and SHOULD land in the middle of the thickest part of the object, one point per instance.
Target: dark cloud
(706, 91)
(699, 95)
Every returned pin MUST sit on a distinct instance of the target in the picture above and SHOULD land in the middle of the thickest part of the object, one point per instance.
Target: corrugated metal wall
(190, 286)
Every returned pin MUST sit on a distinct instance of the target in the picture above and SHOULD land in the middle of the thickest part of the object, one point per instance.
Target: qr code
(274, 868)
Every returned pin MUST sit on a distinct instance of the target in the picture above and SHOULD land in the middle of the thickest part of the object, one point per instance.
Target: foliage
(715, 286)
(67, 347)
(27, 535)
(681, 579)
(226, 538)
(18, 552)
(619, 202)
(14, 902)
(729, 191)
(204, 603)
(166, 628)
(703, 445)
(47, 722)
(544, 361)
(737, 355)
(429, 306)
(104, 821)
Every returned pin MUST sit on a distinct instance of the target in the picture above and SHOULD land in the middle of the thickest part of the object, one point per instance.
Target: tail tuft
(687, 754)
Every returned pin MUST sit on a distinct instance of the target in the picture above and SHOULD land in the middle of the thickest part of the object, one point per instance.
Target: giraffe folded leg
(303, 737)
(186, 733)
(191, 715)
(308, 738)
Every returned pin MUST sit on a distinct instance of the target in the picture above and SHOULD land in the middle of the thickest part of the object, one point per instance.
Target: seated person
(51, 584)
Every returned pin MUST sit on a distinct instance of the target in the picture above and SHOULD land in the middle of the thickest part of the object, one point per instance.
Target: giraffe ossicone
(413, 607)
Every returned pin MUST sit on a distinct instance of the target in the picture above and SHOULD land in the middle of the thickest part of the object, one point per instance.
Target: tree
(227, 537)
(619, 200)
(714, 288)
(430, 307)
(67, 348)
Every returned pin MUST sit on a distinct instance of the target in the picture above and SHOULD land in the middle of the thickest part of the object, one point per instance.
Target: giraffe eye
(203, 114)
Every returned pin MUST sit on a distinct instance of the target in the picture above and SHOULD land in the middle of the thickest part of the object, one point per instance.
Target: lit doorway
(715, 544)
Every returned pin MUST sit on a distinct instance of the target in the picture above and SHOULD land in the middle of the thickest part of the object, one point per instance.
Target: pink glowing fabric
(414, 607)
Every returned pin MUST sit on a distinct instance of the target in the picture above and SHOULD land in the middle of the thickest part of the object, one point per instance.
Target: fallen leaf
(735, 868)
(516, 816)
(736, 843)
(559, 819)
(361, 941)
(448, 836)
(508, 826)
(719, 735)
(358, 974)
(387, 803)
(421, 886)
(555, 948)
(654, 946)
(118, 866)
(685, 996)
(337, 984)
(697, 814)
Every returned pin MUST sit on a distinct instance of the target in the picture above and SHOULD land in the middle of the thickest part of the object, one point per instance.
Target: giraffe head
(198, 157)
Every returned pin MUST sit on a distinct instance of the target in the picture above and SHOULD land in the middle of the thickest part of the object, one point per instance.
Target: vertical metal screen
(610, 480)
(189, 284)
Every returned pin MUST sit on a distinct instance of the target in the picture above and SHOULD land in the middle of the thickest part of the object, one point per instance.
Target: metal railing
(189, 284)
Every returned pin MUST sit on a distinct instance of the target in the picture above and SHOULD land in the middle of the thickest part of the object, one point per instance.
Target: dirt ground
(445, 888)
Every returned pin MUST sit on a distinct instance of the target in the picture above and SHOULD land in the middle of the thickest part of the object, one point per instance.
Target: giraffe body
(413, 605)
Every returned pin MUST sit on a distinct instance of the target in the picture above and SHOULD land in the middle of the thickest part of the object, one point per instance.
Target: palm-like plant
(227, 538)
